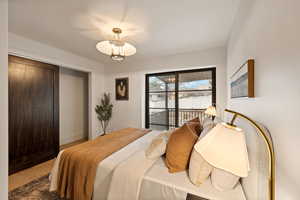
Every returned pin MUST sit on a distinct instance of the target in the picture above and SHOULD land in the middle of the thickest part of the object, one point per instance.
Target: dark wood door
(33, 112)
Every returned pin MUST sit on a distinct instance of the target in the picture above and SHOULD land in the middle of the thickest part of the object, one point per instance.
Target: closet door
(33, 113)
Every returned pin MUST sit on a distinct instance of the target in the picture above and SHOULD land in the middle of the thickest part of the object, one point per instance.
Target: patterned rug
(35, 190)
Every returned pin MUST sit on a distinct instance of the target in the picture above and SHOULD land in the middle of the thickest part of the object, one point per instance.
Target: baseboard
(71, 139)
(73, 143)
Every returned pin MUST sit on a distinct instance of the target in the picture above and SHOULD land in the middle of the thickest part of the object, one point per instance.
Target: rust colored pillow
(179, 148)
(198, 125)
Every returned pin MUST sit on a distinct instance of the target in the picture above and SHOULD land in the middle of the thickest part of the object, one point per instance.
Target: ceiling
(156, 27)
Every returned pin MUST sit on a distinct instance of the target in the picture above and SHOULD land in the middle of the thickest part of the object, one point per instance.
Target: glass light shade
(225, 148)
(211, 110)
(117, 57)
(112, 48)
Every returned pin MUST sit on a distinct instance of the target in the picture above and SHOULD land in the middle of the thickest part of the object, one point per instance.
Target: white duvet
(128, 175)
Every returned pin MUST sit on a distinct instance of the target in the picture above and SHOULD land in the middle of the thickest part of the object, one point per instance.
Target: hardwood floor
(25, 176)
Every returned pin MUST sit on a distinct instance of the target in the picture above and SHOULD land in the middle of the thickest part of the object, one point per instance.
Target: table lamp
(211, 111)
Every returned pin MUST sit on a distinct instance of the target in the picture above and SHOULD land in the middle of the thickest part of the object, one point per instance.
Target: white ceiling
(155, 27)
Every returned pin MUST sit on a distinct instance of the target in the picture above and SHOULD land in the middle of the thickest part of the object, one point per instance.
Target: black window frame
(176, 73)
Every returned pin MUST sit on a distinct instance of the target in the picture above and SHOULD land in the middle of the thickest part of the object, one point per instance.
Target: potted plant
(104, 111)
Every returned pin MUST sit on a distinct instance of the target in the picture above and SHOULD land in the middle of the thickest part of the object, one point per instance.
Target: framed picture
(242, 81)
(122, 89)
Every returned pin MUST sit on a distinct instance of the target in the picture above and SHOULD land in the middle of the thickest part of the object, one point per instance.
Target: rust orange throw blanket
(78, 164)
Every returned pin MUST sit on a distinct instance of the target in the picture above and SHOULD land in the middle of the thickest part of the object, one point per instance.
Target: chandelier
(116, 48)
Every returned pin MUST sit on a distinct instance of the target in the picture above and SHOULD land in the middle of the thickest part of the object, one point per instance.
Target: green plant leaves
(104, 111)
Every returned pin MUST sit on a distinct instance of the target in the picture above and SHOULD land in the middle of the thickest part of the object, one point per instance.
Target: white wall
(131, 113)
(268, 31)
(73, 105)
(3, 101)
(24, 47)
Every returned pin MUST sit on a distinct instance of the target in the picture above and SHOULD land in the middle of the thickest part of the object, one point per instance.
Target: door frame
(59, 63)
(176, 73)
(56, 116)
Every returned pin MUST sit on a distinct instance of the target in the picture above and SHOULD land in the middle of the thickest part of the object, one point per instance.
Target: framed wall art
(242, 81)
(122, 89)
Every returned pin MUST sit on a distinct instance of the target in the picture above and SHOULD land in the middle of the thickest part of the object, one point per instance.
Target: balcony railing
(185, 115)
(188, 114)
(167, 117)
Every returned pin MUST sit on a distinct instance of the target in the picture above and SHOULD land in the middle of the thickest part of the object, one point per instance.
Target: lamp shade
(111, 47)
(225, 148)
(211, 110)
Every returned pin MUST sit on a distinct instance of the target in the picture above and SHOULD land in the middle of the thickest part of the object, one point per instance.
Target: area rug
(35, 190)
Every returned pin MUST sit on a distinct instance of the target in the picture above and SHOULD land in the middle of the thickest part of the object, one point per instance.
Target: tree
(104, 111)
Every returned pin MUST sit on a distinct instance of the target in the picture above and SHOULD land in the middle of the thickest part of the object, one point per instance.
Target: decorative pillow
(208, 124)
(179, 148)
(200, 169)
(158, 145)
(197, 125)
(223, 180)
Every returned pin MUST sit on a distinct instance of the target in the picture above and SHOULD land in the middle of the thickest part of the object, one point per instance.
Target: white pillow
(207, 121)
(158, 145)
(200, 169)
(223, 180)
(208, 124)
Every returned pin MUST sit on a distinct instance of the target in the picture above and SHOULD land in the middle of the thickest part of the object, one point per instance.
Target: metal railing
(167, 117)
(185, 115)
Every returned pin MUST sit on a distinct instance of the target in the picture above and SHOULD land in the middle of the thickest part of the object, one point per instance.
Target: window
(172, 98)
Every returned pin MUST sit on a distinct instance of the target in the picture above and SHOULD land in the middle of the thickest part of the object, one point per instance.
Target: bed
(158, 184)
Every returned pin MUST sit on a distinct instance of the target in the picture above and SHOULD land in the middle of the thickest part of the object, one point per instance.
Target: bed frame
(260, 184)
(264, 133)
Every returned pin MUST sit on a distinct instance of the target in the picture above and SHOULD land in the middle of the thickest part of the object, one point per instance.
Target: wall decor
(122, 89)
(242, 81)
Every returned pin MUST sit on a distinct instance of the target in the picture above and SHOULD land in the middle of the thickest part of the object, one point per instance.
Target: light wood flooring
(21, 178)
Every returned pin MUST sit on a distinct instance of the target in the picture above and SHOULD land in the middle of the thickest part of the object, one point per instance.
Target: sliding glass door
(172, 98)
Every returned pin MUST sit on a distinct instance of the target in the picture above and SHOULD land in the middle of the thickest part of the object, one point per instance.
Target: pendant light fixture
(116, 48)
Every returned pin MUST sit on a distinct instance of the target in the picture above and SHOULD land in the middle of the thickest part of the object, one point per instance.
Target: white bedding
(177, 185)
(128, 176)
(157, 183)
